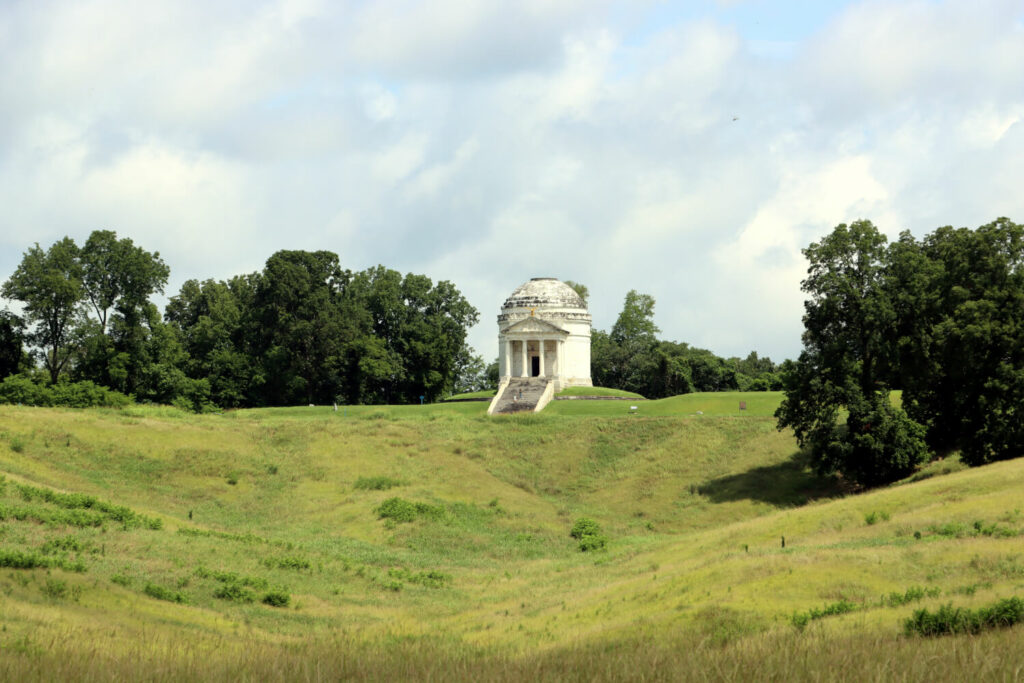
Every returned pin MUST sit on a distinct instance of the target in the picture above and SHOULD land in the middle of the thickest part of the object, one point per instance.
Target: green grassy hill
(183, 536)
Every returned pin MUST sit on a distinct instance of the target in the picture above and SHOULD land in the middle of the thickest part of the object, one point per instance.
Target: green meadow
(433, 542)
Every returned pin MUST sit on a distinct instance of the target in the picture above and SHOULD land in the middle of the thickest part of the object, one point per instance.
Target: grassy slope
(695, 507)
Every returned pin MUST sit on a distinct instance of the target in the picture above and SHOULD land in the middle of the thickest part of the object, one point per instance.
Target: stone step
(521, 395)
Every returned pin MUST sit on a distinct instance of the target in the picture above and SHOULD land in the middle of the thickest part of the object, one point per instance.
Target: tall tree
(49, 284)
(118, 275)
(846, 364)
(964, 374)
(118, 279)
(12, 339)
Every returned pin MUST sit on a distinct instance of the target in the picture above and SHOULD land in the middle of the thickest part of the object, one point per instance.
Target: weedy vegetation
(582, 543)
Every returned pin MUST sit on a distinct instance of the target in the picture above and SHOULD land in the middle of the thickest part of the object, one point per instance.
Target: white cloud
(487, 143)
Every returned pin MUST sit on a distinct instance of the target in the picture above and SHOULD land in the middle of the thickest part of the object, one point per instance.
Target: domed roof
(544, 292)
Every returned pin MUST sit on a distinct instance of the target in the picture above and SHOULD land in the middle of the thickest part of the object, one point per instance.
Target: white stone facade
(544, 331)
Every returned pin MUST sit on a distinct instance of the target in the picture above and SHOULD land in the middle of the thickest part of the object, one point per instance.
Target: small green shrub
(588, 533)
(429, 579)
(121, 580)
(949, 620)
(801, 619)
(63, 544)
(377, 483)
(585, 526)
(401, 510)
(15, 559)
(55, 589)
(874, 517)
(287, 562)
(277, 598)
(993, 529)
(912, 594)
(161, 593)
(234, 592)
(232, 479)
(17, 444)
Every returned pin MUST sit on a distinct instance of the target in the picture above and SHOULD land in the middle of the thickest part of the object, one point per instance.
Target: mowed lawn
(482, 580)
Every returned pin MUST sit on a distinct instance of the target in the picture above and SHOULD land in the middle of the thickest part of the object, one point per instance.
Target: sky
(688, 150)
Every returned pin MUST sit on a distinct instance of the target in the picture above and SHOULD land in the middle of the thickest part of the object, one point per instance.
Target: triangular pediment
(534, 325)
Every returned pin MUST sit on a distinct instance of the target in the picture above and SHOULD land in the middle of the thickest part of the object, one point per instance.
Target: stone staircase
(521, 395)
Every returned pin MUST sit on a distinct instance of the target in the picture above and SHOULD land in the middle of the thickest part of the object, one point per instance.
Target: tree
(212, 323)
(49, 284)
(580, 289)
(300, 334)
(12, 337)
(118, 278)
(963, 351)
(636, 321)
(846, 364)
(470, 372)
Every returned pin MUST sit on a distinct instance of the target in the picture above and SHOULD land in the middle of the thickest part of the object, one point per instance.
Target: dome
(544, 292)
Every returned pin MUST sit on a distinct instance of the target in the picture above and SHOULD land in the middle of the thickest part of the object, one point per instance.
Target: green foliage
(15, 559)
(846, 364)
(942, 318)
(912, 594)
(429, 579)
(962, 364)
(287, 562)
(401, 510)
(13, 358)
(49, 285)
(306, 331)
(24, 390)
(276, 598)
(55, 589)
(874, 517)
(103, 510)
(234, 592)
(160, 593)
(121, 580)
(61, 544)
(801, 619)
(380, 483)
(949, 620)
(631, 358)
(589, 534)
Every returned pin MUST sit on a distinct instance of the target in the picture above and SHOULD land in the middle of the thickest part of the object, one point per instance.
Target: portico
(532, 348)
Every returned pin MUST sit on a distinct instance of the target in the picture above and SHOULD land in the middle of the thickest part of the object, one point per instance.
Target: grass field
(264, 544)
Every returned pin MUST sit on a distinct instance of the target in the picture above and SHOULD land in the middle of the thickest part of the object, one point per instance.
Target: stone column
(508, 358)
(558, 358)
(542, 372)
(522, 354)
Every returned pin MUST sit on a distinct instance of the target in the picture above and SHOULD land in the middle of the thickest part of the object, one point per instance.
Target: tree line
(941, 319)
(632, 358)
(302, 330)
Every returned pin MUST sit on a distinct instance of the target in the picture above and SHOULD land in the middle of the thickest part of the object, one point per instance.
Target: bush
(234, 592)
(161, 593)
(949, 620)
(401, 510)
(801, 619)
(24, 390)
(377, 483)
(277, 599)
(912, 594)
(287, 562)
(872, 518)
(588, 533)
(15, 559)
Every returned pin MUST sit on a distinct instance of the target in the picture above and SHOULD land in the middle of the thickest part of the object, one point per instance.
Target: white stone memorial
(544, 332)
